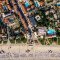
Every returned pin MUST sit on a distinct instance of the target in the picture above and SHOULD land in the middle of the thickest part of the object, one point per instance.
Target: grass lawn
(4, 42)
(23, 39)
(41, 41)
(18, 40)
(0, 41)
(54, 39)
(58, 41)
(51, 41)
(12, 41)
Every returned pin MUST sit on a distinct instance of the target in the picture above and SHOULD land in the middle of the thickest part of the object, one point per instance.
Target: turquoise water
(36, 4)
(51, 31)
(27, 4)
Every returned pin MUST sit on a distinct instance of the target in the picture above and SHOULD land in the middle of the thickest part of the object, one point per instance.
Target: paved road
(25, 52)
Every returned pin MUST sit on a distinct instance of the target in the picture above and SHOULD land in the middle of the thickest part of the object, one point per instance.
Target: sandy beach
(25, 52)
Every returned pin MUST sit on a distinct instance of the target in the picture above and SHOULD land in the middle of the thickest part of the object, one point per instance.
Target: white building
(55, 16)
(37, 17)
(42, 31)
